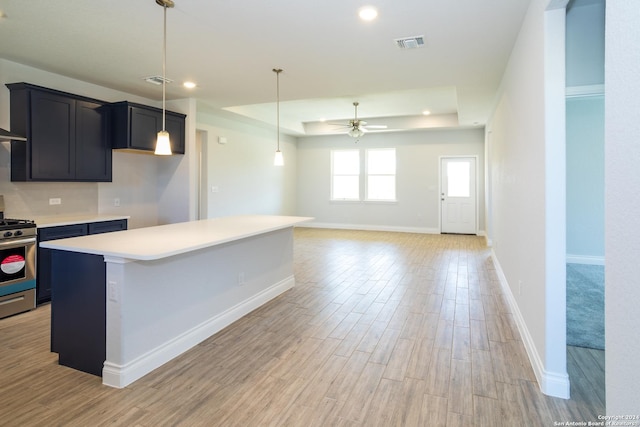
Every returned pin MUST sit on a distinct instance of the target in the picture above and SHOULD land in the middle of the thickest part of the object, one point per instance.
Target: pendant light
(163, 144)
(278, 160)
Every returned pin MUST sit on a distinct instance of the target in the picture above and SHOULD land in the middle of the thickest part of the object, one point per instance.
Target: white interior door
(458, 195)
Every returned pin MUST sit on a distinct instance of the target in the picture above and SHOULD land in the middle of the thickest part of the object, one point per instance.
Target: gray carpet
(585, 305)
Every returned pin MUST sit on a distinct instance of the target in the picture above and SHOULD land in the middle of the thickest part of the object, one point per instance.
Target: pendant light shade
(163, 143)
(278, 160)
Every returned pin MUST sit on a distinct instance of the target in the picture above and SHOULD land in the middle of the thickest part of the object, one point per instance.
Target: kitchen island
(124, 303)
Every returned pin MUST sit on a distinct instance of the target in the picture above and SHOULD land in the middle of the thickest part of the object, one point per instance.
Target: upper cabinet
(67, 136)
(135, 127)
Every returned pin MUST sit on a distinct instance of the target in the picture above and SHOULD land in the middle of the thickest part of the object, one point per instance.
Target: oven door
(17, 276)
(17, 264)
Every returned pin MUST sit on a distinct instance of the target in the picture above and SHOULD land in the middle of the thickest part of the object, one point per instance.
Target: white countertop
(163, 241)
(57, 220)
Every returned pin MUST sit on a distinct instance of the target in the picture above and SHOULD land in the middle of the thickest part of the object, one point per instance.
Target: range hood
(5, 135)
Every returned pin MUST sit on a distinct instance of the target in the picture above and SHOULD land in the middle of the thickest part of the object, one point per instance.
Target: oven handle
(17, 242)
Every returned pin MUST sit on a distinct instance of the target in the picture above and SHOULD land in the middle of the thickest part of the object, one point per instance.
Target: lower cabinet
(79, 312)
(43, 261)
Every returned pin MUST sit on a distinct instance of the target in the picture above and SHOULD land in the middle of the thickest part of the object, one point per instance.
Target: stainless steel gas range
(17, 265)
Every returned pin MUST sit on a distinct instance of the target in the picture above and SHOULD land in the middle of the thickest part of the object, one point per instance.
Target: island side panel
(164, 307)
(78, 310)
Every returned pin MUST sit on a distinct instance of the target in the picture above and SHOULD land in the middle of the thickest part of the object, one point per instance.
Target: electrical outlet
(113, 291)
(519, 287)
(55, 201)
(116, 202)
(241, 279)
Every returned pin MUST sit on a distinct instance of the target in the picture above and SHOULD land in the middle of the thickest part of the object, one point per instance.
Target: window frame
(367, 174)
(363, 176)
(333, 175)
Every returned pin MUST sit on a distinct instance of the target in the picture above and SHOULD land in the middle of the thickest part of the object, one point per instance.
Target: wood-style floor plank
(389, 329)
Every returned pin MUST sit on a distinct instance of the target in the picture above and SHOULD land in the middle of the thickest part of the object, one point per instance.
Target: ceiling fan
(358, 127)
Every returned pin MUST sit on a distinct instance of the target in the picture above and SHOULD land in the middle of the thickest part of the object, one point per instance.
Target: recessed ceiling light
(426, 112)
(368, 13)
(189, 85)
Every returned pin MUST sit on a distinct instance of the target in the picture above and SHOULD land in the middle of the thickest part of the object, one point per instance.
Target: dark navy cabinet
(43, 261)
(78, 311)
(135, 127)
(67, 136)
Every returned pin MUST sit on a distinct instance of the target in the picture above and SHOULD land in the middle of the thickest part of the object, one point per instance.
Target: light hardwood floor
(382, 329)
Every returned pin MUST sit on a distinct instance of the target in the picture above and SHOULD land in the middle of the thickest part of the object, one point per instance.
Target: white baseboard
(120, 376)
(376, 227)
(371, 227)
(551, 383)
(585, 259)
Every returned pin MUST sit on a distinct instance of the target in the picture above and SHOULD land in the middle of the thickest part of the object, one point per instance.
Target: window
(458, 179)
(380, 179)
(381, 174)
(345, 175)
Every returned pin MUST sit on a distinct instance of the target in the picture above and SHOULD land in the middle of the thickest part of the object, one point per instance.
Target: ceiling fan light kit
(356, 132)
(356, 128)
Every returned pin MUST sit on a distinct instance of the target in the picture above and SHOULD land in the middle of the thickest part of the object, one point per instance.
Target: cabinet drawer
(107, 226)
(62, 232)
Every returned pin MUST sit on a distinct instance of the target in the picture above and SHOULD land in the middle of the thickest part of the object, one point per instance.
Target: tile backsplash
(28, 200)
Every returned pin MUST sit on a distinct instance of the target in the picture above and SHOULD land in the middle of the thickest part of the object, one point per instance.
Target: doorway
(202, 173)
(458, 195)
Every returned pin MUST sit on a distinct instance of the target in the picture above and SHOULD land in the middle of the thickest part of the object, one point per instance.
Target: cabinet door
(175, 127)
(43, 261)
(93, 149)
(52, 137)
(144, 128)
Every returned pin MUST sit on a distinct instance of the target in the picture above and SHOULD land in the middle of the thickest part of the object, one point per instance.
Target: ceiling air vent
(410, 42)
(156, 80)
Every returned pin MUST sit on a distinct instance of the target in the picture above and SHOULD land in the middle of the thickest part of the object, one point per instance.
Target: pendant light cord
(164, 68)
(278, 71)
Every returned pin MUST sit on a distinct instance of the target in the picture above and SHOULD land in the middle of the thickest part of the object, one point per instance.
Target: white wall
(526, 134)
(135, 176)
(417, 179)
(242, 170)
(622, 228)
(177, 180)
(585, 132)
(585, 179)
(585, 45)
